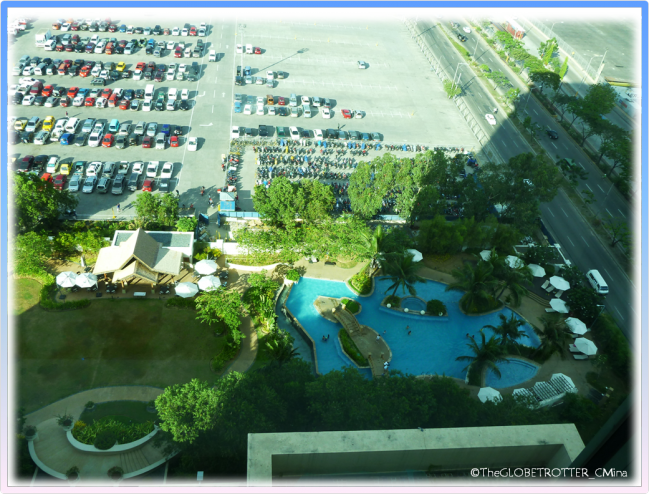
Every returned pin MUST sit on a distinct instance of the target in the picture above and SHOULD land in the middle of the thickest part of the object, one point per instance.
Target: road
(564, 222)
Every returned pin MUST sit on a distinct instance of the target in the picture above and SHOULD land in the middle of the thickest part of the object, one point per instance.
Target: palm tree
(372, 245)
(485, 356)
(479, 285)
(281, 350)
(554, 338)
(508, 330)
(513, 279)
(401, 270)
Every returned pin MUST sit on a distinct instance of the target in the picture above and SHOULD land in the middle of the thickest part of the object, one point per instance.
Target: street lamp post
(587, 67)
(602, 307)
(600, 64)
(476, 48)
(455, 75)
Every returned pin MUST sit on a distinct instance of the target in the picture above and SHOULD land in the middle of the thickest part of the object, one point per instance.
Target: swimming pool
(512, 372)
(431, 347)
(413, 303)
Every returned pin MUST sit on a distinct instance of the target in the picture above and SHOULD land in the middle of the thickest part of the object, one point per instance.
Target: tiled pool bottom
(431, 347)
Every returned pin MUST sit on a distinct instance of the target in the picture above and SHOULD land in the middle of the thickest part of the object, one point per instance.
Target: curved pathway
(54, 454)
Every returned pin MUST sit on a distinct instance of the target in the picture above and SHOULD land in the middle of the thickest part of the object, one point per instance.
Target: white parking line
(534, 111)
(609, 274)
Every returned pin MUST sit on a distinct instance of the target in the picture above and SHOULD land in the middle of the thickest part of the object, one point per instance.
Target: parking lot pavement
(400, 98)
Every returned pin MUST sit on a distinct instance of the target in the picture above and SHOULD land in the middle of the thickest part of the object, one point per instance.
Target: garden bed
(351, 305)
(350, 349)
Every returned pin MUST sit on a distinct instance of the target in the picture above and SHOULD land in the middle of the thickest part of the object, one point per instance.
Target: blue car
(83, 91)
(66, 139)
(237, 107)
(151, 42)
(165, 129)
(122, 28)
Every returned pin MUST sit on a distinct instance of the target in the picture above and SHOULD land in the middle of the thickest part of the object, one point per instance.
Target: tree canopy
(222, 306)
(156, 210)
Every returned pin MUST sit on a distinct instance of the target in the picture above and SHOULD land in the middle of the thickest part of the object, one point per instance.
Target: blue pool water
(512, 372)
(433, 344)
(413, 303)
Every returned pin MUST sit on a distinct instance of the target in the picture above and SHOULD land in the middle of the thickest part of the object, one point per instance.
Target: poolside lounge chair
(549, 289)
(559, 293)
(580, 357)
(545, 285)
(573, 348)
(550, 309)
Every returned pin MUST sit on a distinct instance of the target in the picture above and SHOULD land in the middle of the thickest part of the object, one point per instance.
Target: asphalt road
(567, 226)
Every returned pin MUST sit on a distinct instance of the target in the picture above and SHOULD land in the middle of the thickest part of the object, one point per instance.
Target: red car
(140, 66)
(178, 53)
(107, 141)
(123, 105)
(112, 28)
(174, 142)
(74, 26)
(257, 50)
(47, 90)
(346, 113)
(193, 31)
(150, 66)
(68, 63)
(72, 92)
(148, 185)
(47, 177)
(59, 47)
(75, 39)
(69, 48)
(59, 182)
(281, 101)
(85, 71)
(90, 101)
(146, 142)
(106, 93)
(64, 102)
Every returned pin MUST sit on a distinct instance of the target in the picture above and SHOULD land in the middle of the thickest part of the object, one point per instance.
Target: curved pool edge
(517, 360)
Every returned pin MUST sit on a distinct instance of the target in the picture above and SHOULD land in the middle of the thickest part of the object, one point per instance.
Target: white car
(175, 31)
(294, 133)
(192, 143)
(271, 110)
(490, 118)
(138, 167)
(171, 105)
(270, 75)
(306, 100)
(94, 169)
(247, 110)
(184, 32)
(95, 140)
(260, 109)
(260, 100)
(103, 74)
(52, 164)
(78, 101)
(182, 68)
(170, 45)
(137, 75)
(467, 29)
(96, 70)
(152, 169)
(146, 106)
(101, 103)
(359, 114)
(29, 100)
(236, 132)
(326, 113)
(65, 26)
(30, 81)
(13, 89)
(317, 133)
(97, 129)
(362, 64)
(170, 74)
(167, 170)
(42, 137)
(239, 48)
(173, 93)
(29, 70)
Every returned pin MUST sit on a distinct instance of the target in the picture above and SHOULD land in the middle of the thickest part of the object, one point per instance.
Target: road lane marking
(609, 213)
(589, 187)
(534, 111)
(565, 213)
(555, 146)
(600, 187)
(633, 309)
(551, 213)
(622, 213)
(585, 241)
(212, 108)
(571, 241)
(618, 312)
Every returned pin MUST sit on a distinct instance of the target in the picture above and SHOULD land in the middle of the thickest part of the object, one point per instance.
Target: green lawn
(122, 411)
(26, 295)
(112, 342)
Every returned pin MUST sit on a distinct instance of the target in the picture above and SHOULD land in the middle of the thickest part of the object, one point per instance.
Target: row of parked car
(296, 133)
(108, 26)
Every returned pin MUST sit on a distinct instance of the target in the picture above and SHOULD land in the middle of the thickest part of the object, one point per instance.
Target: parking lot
(400, 99)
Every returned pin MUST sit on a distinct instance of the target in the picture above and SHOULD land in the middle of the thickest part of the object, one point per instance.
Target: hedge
(351, 349)
(49, 304)
(181, 303)
(351, 305)
(105, 432)
(436, 307)
(393, 300)
(361, 282)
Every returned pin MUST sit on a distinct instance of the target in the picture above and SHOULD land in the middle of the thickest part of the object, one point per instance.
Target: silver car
(89, 185)
(151, 129)
(75, 183)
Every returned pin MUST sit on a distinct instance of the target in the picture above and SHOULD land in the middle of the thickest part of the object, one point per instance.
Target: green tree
(146, 210)
(90, 241)
(554, 338)
(532, 127)
(619, 231)
(509, 330)
(479, 286)
(486, 356)
(372, 244)
(31, 250)
(507, 40)
(599, 100)
(548, 47)
(484, 68)
(439, 236)
(369, 184)
(451, 89)
(186, 224)
(498, 78)
(222, 306)
(401, 269)
(611, 136)
(584, 303)
(38, 205)
(281, 350)
(316, 200)
(572, 172)
(514, 281)
(512, 95)
(564, 102)
(546, 78)
(186, 410)
(167, 209)
(619, 151)
(564, 69)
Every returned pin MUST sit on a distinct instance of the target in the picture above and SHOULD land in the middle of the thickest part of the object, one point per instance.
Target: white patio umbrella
(514, 262)
(576, 325)
(66, 279)
(206, 266)
(566, 383)
(559, 305)
(559, 283)
(537, 270)
(489, 394)
(416, 255)
(208, 283)
(86, 280)
(186, 289)
(586, 346)
(486, 255)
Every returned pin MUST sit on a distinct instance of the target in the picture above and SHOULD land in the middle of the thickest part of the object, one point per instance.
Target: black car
(81, 139)
(120, 142)
(238, 80)
(263, 130)
(113, 75)
(149, 50)
(40, 161)
(148, 74)
(132, 140)
(159, 105)
(283, 111)
(59, 91)
(39, 100)
(80, 48)
(332, 134)
(98, 82)
(139, 93)
(191, 77)
(552, 134)
(27, 137)
(14, 137)
(157, 31)
(128, 94)
(119, 50)
(127, 74)
(462, 38)
(138, 30)
(184, 105)
(305, 133)
(79, 62)
(159, 76)
(177, 131)
(18, 98)
(74, 70)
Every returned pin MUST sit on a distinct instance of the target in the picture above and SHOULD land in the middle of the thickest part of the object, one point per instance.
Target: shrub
(151, 404)
(30, 430)
(105, 439)
(436, 307)
(293, 275)
(393, 300)
(612, 342)
(361, 282)
(352, 306)
(122, 433)
(90, 404)
(115, 473)
(228, 353)
(549, 269)
(181, 303)
(208, 253)
(72, 473)
(351, 349)
(48, 303)
(64, 420)
(79, 425)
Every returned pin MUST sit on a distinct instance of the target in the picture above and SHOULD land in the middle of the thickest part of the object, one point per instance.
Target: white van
(40, 69)
(249, 49)
(212, 56)
(306, 111)
(148, 92)
(72, 125)
(597, 282)
(50, 45)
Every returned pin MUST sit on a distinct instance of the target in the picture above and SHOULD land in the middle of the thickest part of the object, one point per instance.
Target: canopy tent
(206, 266)
(485, 255)
(537, 270)
(489, 394)
(576, 325)
(416, 255)
(66, 279)
(209, 283)
(186, 289)
(559, 283)
(514, 262)
(559, 305)
(86, 280)
(586, 346)
(562, 383)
